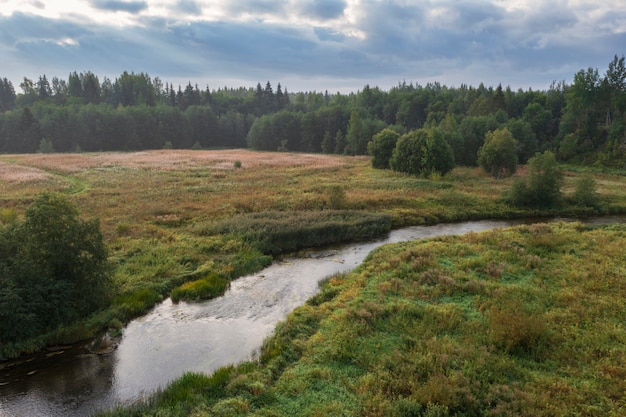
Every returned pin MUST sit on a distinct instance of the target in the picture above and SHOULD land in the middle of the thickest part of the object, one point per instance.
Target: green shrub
(516, 331)
(585, 192)
(542, 188)
(381, 148)
(134, 303)
(337, 197)
(45, 146)
(422, 152)
(8, 216)
(122, 228)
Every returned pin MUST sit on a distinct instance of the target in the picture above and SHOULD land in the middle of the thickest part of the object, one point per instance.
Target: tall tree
(498, 155)
(422, 152)
(91, 87)
(75, 86)
(55, 264)
(7, 95)
(381, 148)
(44, 90)
(615, 79)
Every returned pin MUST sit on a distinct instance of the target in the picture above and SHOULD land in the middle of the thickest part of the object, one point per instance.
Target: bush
(45, 146)
(53, 269)
(422, 152)
(381, 148)
(337, 197)
(585, 192)
(8, 216)
(132, 304)
(516, 331)
(543, 185)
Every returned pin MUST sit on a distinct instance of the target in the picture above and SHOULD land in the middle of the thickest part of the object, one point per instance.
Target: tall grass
(281, 232)
(204, 288)
(526, 321)
(174, 216)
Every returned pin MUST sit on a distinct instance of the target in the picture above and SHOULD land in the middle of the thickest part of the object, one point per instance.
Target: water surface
(200, 337)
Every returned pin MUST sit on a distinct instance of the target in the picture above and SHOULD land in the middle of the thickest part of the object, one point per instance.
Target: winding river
(201, 337)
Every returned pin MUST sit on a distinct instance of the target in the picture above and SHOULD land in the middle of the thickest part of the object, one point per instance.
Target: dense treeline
(53, 269)
(581, 122)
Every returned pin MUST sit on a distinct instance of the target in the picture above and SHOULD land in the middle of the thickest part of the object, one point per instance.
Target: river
(201, 337)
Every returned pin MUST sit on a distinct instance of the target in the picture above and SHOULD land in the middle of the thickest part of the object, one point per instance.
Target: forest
(580, 122)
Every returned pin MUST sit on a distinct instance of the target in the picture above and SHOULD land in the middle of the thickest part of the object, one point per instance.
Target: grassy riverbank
(196, 218)
(526, 321)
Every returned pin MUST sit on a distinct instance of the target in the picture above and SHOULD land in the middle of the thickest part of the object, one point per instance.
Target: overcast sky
(313, 45)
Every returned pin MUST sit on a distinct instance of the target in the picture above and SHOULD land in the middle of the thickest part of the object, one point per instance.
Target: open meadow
(169, 216)
(189, 221)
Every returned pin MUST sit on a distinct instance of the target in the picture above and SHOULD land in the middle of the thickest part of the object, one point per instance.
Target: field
(187, 220)
(174, 188)
(526, 321)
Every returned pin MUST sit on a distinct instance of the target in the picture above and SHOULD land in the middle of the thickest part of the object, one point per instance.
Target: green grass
(204, 288)
(521, 322)
(284, 232)
(526, 321)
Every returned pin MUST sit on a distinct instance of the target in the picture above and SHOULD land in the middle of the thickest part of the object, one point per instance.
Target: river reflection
(200, 337)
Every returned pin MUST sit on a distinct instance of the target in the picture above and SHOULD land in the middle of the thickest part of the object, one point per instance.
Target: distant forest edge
(582, 122)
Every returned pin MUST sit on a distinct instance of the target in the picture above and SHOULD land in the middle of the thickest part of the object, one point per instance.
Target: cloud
(331, 42)
(326, 34)
(260, 9)
(189, 7)
(133, 7)
(324, 9)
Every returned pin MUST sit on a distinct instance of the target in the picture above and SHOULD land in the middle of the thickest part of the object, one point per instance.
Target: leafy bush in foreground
(54, 269)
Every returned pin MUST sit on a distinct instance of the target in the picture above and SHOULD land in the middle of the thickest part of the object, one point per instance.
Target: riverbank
(201, 336)
(173, 217)
(524, 321)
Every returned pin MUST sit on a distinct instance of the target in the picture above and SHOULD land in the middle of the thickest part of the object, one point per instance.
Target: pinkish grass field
(24, 168)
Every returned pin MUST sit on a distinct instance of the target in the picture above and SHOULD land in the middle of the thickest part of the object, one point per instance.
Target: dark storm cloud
(251, 48)
(120, 5)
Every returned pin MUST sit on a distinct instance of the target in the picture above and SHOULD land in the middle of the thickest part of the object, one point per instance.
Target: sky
(313, 45)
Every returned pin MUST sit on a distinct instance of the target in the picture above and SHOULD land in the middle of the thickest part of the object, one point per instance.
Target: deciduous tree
(498, 155)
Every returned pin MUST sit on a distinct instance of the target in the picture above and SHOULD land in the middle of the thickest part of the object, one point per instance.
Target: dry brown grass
(173, 160)
(171, 187)
(19, 174)
(140, 192)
